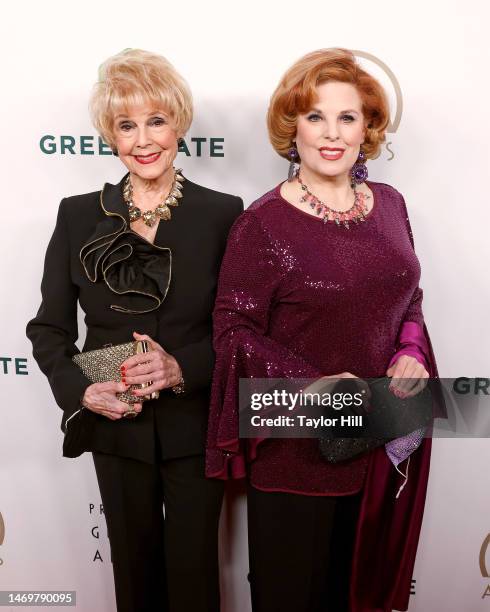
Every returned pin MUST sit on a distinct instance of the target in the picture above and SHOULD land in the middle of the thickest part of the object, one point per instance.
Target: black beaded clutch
(335, 450)
(387, 417)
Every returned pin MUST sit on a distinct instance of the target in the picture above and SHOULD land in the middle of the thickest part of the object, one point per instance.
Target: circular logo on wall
(387, 78)
(482, 557)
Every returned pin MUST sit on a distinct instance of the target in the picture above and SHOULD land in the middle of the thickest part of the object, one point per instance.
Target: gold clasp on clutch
(142, 346)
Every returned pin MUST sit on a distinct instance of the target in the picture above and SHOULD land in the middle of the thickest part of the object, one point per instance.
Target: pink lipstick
(331, 154)
(147, 159)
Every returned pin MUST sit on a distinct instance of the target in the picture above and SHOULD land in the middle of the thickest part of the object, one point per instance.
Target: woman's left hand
(409, 376)
(157, 366)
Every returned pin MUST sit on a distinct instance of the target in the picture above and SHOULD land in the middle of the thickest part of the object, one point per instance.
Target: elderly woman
(142, 258)
(330, 289)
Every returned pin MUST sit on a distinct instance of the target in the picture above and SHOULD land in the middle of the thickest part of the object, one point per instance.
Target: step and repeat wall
(432, 58)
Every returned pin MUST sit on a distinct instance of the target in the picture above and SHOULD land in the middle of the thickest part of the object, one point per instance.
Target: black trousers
(300, 550)
(162, 563)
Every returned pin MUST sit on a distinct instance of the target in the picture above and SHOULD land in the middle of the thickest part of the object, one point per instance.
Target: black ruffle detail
(130, 266)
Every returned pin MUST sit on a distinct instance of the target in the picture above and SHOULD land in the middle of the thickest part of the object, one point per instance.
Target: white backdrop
(233, 55)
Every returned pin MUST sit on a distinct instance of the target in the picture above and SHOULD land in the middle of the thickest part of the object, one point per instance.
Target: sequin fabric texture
(300, 298)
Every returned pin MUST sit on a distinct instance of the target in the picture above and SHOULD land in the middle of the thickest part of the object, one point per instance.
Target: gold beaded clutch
(103, 365)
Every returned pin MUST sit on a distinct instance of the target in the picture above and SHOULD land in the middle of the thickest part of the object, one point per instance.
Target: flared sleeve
(248, 288)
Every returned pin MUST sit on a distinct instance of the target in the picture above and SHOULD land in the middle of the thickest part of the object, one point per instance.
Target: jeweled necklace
(162, 211)
(357, 212)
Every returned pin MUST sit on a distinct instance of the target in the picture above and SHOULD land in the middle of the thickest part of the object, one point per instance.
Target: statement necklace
(162, 211)
(357, 212)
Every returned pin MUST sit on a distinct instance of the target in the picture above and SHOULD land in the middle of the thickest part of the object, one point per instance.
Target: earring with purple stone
(293, 156)
(359, 171)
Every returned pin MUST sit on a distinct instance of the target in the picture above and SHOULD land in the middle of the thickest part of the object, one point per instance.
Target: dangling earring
(293, 156)
(359, 171)
(114, 152)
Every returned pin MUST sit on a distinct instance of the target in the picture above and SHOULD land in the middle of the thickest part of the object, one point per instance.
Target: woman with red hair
(320, 278)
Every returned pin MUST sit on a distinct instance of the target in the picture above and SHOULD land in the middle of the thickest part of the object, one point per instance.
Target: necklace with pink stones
(357, 212)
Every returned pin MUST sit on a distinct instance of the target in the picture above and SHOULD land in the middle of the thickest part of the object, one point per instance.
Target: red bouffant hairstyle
(296, 94)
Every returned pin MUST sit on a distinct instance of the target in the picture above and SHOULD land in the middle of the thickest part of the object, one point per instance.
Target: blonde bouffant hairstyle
(135, 77)
(296, 94)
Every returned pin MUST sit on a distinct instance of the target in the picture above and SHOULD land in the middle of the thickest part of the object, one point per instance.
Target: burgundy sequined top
(301, 298)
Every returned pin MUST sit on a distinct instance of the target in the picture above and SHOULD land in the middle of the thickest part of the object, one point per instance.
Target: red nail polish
(123, 367)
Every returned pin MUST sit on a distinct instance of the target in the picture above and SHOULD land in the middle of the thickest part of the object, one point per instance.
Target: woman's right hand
(101, 398)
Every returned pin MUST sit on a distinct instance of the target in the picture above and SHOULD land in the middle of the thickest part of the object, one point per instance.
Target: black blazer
(181, 269)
